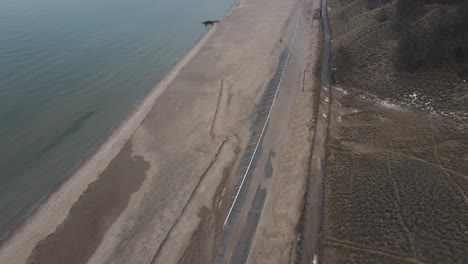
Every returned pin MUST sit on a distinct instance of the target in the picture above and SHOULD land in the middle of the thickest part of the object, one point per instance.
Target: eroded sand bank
(178, 144)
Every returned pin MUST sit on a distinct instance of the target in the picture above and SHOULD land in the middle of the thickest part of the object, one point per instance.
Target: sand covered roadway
(178, 146)
(267, 209)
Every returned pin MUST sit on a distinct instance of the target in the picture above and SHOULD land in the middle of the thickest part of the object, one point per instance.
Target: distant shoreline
(24, 217)
(98, 158)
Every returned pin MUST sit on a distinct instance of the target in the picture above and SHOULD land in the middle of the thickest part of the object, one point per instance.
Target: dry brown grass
(427, 57)
(396, 184)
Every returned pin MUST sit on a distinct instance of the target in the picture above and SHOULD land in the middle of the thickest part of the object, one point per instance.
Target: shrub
(371, 4)
(382, 15)
(343, 62)
(445, 41)
(412, 51)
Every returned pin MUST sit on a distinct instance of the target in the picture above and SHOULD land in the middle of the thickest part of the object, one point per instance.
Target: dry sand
(54, 211)
(279, 221)
(279, 170)
(179, 146)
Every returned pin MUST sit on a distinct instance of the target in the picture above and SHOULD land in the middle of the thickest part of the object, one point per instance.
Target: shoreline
(18, 213)
(88, 170)
(120, 205)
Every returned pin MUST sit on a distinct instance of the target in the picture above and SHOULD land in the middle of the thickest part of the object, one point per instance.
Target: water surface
(69, 72)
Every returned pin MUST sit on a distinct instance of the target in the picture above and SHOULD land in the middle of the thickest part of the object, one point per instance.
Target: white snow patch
(413, 97)
(341, 90)
(389, 105)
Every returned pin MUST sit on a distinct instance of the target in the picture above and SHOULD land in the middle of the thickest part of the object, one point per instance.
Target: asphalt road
(255, 169)
(310, 242)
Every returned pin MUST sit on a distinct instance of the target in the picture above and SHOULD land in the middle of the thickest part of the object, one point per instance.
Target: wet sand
(78, 236)
(146, 187)
(51, 214)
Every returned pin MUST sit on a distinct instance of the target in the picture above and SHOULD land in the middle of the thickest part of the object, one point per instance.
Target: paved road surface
(270, 123)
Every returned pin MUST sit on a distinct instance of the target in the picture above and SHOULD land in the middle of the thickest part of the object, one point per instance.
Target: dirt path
(310, 225)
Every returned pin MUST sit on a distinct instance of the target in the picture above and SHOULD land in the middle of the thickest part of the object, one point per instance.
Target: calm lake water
(70, 71)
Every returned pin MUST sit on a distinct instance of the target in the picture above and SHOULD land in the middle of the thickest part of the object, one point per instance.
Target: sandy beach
(151, 181)
(248, 151)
